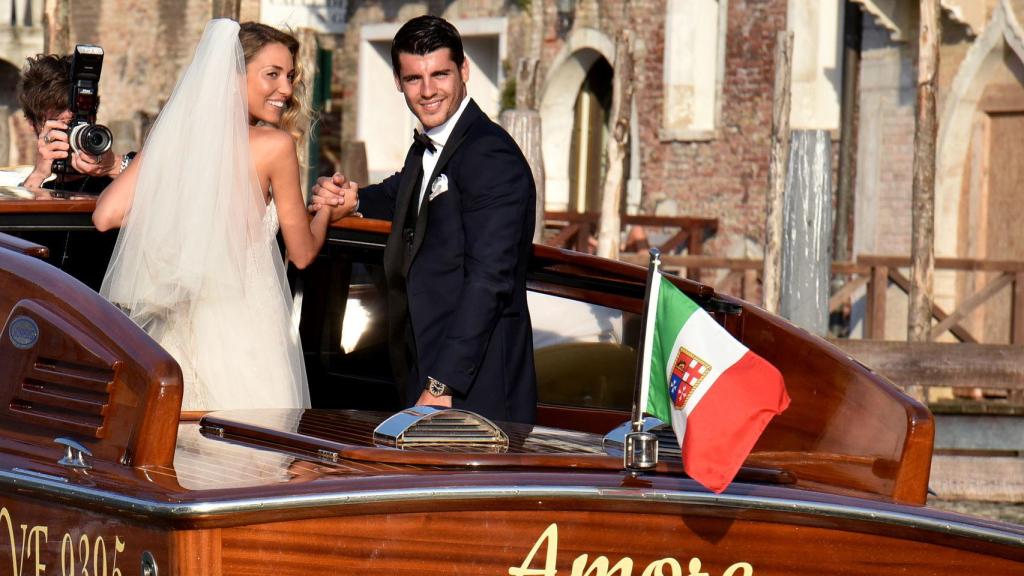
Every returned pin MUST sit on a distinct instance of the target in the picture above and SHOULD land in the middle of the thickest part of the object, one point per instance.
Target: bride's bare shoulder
(270, 144)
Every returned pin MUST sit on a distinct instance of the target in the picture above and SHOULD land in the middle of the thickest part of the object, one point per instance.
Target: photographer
(44, 97)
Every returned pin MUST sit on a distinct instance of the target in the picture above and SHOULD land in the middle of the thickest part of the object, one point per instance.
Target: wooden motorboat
(100, 474)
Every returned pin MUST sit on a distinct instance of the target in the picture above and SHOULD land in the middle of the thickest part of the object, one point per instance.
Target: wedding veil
(196, 265)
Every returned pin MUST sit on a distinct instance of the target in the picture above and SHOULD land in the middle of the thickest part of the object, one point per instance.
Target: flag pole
(638, 387)
(640, 448)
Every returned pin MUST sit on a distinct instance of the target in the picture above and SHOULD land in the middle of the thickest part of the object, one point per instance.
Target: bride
(196, 262)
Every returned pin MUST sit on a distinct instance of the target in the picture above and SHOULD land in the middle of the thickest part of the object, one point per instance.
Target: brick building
(703, 76)
(703, 98)
(980, 115)
(709, 162)
(146, 46)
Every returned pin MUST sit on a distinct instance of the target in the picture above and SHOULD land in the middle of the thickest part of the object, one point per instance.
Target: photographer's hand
(51, 144)
(90, 165)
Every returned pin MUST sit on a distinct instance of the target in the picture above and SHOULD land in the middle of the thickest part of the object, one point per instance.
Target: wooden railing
(578, 231)
(878, 271)
(984, 377)
(875, 274)
(987, 378)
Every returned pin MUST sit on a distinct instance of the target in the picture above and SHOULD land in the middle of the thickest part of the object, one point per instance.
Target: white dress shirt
(439, 137)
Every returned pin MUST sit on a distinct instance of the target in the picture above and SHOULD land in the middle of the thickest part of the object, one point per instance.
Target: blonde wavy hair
(298, 115)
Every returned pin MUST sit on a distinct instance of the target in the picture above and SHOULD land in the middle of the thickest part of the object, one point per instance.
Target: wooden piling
(609, 230)
(771, 277)
(523, 124)
(923, 208)
(56, 31)
(225, 9)
(806, 254)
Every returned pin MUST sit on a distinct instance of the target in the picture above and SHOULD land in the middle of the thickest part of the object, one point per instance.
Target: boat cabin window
(585, 353)
(344, 333)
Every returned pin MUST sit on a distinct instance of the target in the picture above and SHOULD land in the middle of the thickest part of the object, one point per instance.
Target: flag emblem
(717, 394)
(687, 372)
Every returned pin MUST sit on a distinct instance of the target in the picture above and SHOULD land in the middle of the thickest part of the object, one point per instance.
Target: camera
(84, 135)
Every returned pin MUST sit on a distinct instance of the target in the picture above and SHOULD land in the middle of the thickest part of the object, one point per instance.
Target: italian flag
(717, 394)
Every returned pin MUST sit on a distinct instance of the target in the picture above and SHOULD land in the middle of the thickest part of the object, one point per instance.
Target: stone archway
(975, 207)
(9, 141)
(582, 50)
(590, 134)
(983, 60)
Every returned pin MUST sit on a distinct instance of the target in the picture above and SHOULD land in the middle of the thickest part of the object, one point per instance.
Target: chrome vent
(55, 373)
(71, 396)
(427, 426)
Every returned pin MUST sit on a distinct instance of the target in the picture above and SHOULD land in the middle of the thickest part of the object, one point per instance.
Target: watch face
(436, 388)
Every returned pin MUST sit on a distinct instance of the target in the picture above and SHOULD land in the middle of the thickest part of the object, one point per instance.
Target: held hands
(335, 193)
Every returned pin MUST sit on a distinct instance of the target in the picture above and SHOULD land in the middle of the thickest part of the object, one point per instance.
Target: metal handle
(149, 566)
(74, 453)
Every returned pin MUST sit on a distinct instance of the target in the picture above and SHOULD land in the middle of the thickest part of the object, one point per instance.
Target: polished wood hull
(230, 506)
(503, 536)
(41, 536)
(499, 542)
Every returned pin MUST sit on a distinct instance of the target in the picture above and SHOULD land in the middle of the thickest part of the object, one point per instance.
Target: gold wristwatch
(437, 388)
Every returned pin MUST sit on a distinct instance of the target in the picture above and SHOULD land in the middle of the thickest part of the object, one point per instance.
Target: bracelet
(126, 160)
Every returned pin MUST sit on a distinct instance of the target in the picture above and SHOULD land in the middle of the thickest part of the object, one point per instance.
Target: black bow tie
(423, 140)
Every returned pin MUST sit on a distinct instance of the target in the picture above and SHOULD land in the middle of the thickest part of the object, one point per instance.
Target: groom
(462, 213)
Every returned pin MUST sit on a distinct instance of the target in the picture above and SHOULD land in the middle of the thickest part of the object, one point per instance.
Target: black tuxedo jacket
(456, 270)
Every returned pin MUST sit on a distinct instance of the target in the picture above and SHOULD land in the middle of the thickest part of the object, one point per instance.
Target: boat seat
(587, 374)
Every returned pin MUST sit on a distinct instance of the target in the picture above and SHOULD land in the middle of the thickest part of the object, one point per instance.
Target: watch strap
(437, 388)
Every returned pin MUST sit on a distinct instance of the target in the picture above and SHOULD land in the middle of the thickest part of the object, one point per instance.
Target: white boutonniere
(437, 187)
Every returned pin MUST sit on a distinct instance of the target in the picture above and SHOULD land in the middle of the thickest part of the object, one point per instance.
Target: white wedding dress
(196, 262)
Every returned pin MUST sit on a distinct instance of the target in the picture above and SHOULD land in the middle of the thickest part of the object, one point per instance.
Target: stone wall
(888, 94)
(346, 55)
(886, 144)
(726, 177)
(146, 46)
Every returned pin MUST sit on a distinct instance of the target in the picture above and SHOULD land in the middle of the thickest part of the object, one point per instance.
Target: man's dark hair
(423, 35)
(44, 86)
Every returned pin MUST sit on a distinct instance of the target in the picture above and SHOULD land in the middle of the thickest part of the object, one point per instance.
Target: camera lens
(94, 139)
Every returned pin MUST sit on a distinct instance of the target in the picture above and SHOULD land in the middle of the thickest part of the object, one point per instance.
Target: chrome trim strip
(350, 242)
(22, 481)
(44, 475)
